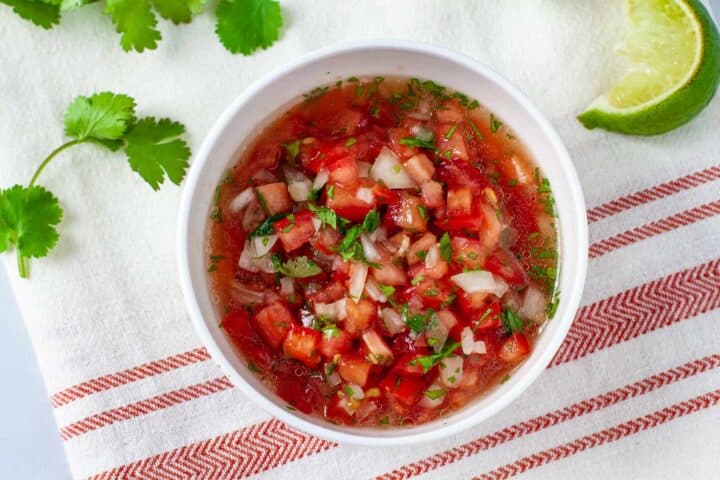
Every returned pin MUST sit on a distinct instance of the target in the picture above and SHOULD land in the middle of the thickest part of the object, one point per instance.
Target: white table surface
(30, 446)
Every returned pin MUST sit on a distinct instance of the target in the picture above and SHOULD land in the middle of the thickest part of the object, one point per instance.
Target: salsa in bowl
(383, 255)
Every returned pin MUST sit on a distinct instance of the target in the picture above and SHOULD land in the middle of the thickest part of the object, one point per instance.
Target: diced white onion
(244, 295)
(369, 249)
(467, 340)
(404, 245)
(264, 244)
(365, 194)
(480, 281)
(241, 200)
(447, 318)
(451, 371)
(247, 258)
(428, 402)
(264, 176)
(393, 321)
(422, 133)
(432, 257)
(354, 391)
(287, 286)
(533, 304)
(337, 263)
(373, 291)
(293, 174)
(333, 379)
(479, 347)
(379, 234)
(336, 310)
(436, 333)
(388, 168)
(358, 275)
(364, 169)
(322, 177)
(300, 191)
(316, 223)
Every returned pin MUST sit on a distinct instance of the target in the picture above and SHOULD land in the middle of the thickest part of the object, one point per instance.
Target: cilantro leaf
(325, 215)
(299, 267)
(41, 14)
(429, 361)
(511, 321)
(445, 248)
(104, 116)
(28, 216)
(153, 147)
(178, 11)
(371, 222)
(243, 26)
(136, 23)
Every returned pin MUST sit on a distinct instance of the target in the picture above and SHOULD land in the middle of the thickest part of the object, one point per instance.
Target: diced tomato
(326, 240)
(451, 112)
(407, 365)
(302, 344)
(458, 173)
(296, 231)
(514, 348)
(345, 203)
(274, 323)
(316, 155)
(396, 135)
(487, 318)
(455, 144)
(423, 244)
(273, 198)
(335, 341)
(344, 172)
(457, 223)
(459, 201)
(502, 262)
(348, 121)
(433, 293)
(432, 194)
(408, 213)
(470, 302)
(402, 344)
(238, 326)
(468, 252)
(336, 410)
(384, 195)
(378, 351)
(388, 273)
(330, 293)
(354, 369)
(405, 389)
(360, 316)
(420, 168)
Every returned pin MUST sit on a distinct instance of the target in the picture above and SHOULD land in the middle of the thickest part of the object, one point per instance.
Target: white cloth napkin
(632, 393)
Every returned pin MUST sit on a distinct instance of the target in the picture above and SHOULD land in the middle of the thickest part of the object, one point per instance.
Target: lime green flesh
(674, 51)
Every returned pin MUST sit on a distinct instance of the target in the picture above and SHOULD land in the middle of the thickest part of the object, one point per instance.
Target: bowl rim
(570, 299)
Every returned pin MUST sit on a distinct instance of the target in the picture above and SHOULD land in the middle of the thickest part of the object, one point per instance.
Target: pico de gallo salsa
(383, 252)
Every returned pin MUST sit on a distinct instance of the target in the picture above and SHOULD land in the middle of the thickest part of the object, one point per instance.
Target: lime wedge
(674, 51)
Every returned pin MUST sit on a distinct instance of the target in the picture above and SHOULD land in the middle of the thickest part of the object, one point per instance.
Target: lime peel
(661, 91)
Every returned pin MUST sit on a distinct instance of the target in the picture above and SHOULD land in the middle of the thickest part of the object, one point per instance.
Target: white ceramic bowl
(266, 98)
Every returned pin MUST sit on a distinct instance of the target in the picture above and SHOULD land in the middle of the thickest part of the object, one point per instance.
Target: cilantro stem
(22, 265)
(52, 155)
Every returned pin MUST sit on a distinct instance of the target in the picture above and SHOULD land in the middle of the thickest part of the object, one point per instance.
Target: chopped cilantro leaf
(417, 142)
(495, 124)
(476, 130)
(445, 247)
(267, 227)
(331, 192)
(450, 132)
(511, 321)
(371, 221)
(421, 254)
(350, 142)
(429, 361)
(423, 212)
(292, 149)
(435, 394)
(299, 267)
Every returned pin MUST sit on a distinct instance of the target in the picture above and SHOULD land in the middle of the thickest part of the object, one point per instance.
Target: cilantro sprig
(155, 149)
(429, 361)
(242, 26)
